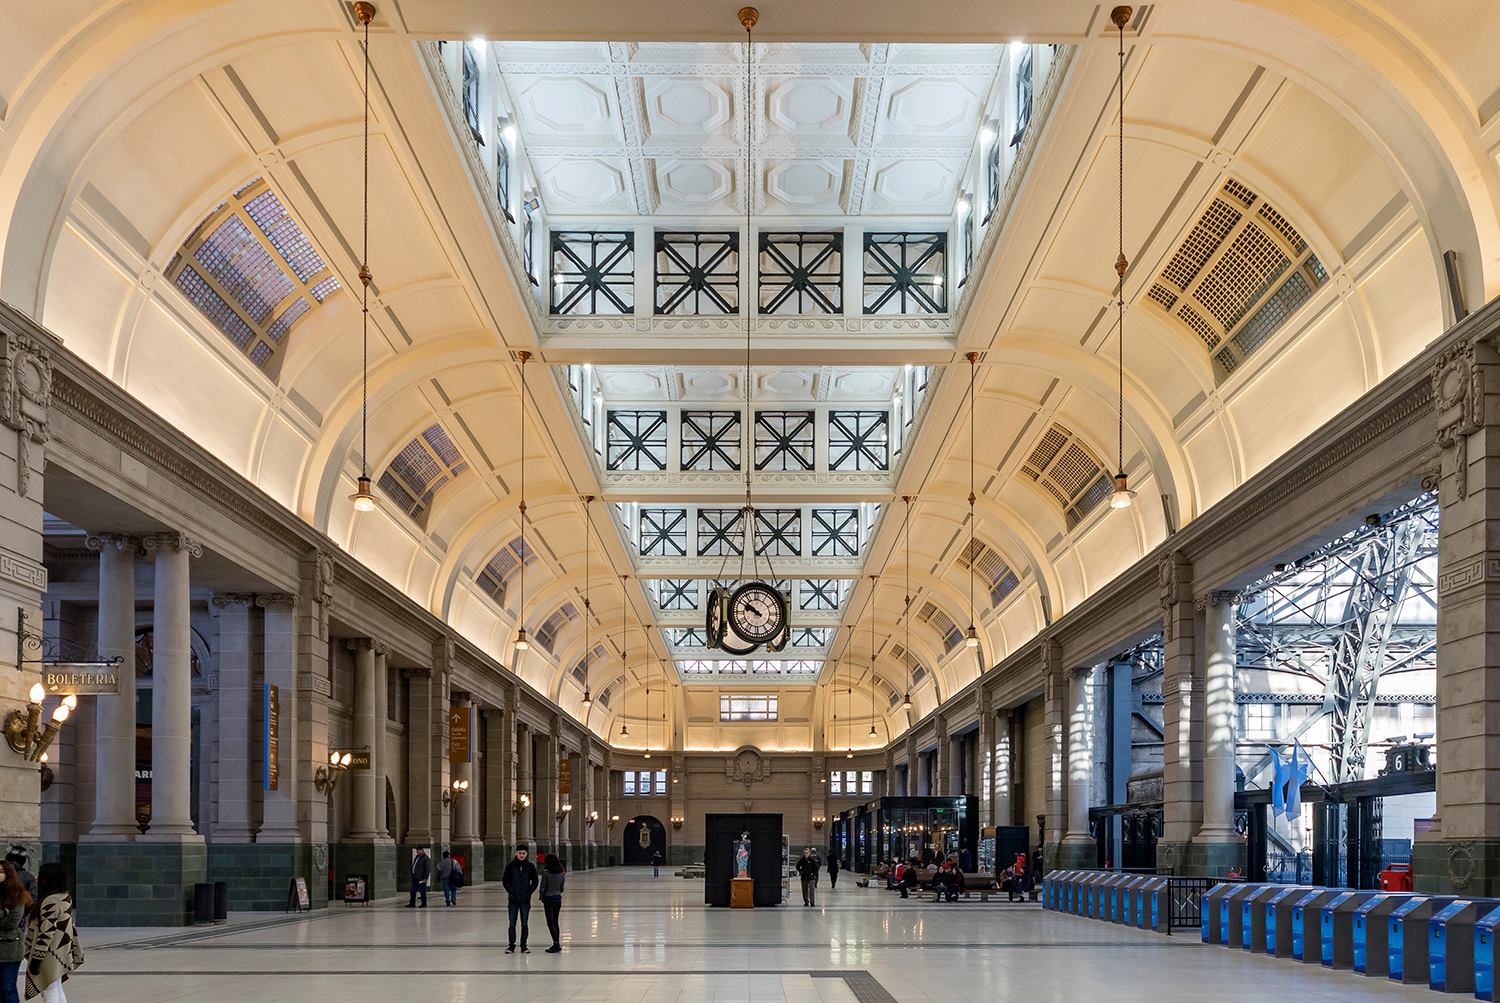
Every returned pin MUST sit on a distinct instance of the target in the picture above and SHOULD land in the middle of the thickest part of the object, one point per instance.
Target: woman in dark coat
(833, 868)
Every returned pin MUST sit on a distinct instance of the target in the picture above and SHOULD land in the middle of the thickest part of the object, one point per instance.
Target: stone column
(363, 803)
(985, 752)
(237, 709)
(607, 807)
(1055, 715)
(525, 784)
(314, 694)
(114, 743)
(1217, 847)
(1002, 810)
(171, 690)
(380, 764)
(499, 789)
(427, 772)
(279, 821)
(1182, 716)
(941, 777)
(1077, 848)
(465, 808)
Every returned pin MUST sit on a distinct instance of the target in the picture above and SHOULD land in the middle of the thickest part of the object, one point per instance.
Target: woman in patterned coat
(52, 948)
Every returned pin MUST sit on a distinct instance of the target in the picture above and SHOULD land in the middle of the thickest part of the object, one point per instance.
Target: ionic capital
(178, 542)
(113, 541)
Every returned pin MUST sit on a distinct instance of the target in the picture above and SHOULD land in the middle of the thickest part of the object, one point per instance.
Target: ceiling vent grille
(991, 568)
(1242, 271)
(942, 623)
(1069, 471)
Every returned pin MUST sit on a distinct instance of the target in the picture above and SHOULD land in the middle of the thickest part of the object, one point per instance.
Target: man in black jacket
(807, 869)
(421, 871)
(519, 881)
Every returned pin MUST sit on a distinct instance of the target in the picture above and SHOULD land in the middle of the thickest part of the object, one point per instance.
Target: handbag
(457, 877)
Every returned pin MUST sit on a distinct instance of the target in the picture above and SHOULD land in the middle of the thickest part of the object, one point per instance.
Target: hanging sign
(565, 775)
(80, 679)
(460, 734)
(271, 736)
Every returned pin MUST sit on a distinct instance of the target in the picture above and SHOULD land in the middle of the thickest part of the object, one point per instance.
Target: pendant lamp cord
(1120, 262)
(906, 530)
(748, 188)
(365, 279)
(973, 416)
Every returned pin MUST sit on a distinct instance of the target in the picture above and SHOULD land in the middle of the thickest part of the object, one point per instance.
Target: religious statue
(742, 856)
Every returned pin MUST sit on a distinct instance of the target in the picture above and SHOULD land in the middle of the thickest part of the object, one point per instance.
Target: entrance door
(644, 836)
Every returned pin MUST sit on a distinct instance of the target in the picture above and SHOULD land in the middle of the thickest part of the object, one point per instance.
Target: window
(966, 236)
(1258, 720)
(593, 272)
(644, 783)
(721, 532)
(424, 465)
(1023, 83)
(823, 593)
(783, 440)
(685, 637)
(991, 179)
(251, 271)
(580, 670)
(943, 624)
(761, 707)
(989, 568)
(494, 577)
(857, 440)
(851, 782)
(529, 206)
(676, 593)
(801, 272)
(636, 440)
(905, 272)
(546, 635)
(835, 532)
(697, 273)
(778, 532)
(710, 440)
(811, 637)
(663, 532)
(502, 171)
(471, 94)
(1069, 471)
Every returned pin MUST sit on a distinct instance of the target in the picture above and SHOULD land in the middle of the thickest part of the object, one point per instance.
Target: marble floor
(630, 937)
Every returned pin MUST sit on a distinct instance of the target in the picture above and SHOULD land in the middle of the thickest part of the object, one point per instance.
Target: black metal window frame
(721, 532)
(677, 593)
(801, 272)
(710, 440)
(1024, 85)
(859, 440)
(906, 268)
(810, 637)
(822, 593)
(697, 272)
(635, 440)
(591, 268)
(835, 532)
(778, 532)
(992, 180)
(502, 172)
(528, 240)
(687, 637)
(662, 532)
(966, 239)
(784, 440)
(471, 94)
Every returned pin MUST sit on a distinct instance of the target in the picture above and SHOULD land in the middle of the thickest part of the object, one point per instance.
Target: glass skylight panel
(213, 307)
(284, 320)
(285, 235)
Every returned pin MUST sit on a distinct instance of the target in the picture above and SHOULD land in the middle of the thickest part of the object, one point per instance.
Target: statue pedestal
(742, 893)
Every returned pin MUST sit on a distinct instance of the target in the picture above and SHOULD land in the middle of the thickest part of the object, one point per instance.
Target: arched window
(1069, 471)
(423, 466)
(990, 568)
(252, 272)
(494, 577)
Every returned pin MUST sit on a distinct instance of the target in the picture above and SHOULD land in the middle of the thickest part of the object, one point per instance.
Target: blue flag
(1297, 772)
(1278, 782)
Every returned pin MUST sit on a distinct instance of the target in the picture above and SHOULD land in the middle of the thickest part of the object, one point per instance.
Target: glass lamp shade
(906, 702)
(521, 643)
(37, 693)
(363, 499)
(588, 701)
(971, 639)
(1121, 496)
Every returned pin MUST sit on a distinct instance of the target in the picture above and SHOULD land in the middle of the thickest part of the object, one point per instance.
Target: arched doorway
(644, 836)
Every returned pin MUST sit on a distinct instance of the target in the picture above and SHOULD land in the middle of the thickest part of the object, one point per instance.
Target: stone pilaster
(171, 690)
(380, 763)
(499, 788)
(1003, 810)
(114, 742)
(942, 767)
(1182, 714)
(365, 848)
(237, 711)
(1078, 848)
(1217, 848)
(280, 822)
(1055, 712)
(986, 755)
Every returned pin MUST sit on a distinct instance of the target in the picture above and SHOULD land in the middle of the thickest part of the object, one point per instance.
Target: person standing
(421, 874)
(519, 881)
(833, 868)
(18, 857)
(53, 952)
(447, 868)
(656, 863)
(807, 869)
(14, 901)
(551, 895)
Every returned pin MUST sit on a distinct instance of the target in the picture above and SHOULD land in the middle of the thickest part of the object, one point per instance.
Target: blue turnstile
(1279, 920)
(1231, 915)
(1450, 945)
(1151, 905)
(1372, 944)
(1253, 918)
(1407, 933)
(1125, 893)
(1306, 916)
(1211, 911)
(1484, 954)
(1119, 897)
(1098, 895)
(1336, 928)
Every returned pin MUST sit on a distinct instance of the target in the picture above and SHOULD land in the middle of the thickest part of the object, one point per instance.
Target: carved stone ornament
(1458, 400)
(747, 767)
(179, 542)
(1173, 575)
(25, 395)
(1461, 864)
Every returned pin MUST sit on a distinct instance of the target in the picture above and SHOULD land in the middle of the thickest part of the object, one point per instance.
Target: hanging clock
(715, 617)
(781, 639)
(730, 644)
(757, 612)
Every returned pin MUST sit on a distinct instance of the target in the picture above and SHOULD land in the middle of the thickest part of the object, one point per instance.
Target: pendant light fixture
(363, 498)
(971, 639)
(874, 580)
(588, 614)
(624, 656)
(1121, 496)
(521, 643)
(906, 614)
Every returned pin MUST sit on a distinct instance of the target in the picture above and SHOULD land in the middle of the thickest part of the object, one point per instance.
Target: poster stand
(356, 889)
(297, 898)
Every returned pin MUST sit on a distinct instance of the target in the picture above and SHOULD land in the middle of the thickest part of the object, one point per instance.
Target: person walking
(519, 881)
(833, 868)
(450, 876)
(421, 875)
(551, 888)
(14, 901)
(53, 952)
(656, 864)
(807, 869)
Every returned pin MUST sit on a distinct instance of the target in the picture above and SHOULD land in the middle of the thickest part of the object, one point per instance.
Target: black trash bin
(203, 902)
(221, 901)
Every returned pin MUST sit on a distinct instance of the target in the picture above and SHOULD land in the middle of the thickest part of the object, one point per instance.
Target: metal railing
(1185, 901)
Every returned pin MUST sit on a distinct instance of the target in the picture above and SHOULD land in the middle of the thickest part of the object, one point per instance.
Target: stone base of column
(259, 875)
(378, 862)
(1205, 858)
(475, 866)
(1075, 854)
(496, 856)
(139, 883)
(682, 853)
(1467, 867)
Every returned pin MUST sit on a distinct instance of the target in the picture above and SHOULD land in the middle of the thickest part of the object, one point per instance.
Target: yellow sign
(565, 776)
(272, 736)
(79, 681)
(459, 746)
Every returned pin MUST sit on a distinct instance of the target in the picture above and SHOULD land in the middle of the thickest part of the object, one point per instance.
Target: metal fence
(1185, 901)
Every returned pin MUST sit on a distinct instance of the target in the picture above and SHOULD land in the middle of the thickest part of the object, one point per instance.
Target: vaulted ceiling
(1294, 174)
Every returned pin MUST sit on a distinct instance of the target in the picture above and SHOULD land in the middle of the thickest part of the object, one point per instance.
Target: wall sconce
(521, 803)
(677, 821)
(591, 818)
(818, 821)
(454, 791)
(326, 778)
(24, 732)
(562, 812)
(614, 820)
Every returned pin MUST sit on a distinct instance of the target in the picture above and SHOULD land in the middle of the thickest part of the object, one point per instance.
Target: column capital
(115, 541)
(1218, 597)
(179, 542)
(221, 600)
(266, 600)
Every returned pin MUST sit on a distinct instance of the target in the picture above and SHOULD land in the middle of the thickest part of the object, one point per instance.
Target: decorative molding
(25, 394)
(176, 542)
(1472, 572)
(747, 766)
(1174, 580)
(223, 600)
(1458, 402)
(1218, 597)
(1461, 863)
(18, 569)
(282, 599)
(121, 542)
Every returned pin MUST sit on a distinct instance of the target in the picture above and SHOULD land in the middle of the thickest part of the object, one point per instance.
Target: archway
(644, 837)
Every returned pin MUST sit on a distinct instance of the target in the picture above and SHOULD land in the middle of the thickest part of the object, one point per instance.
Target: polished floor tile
(629, 937)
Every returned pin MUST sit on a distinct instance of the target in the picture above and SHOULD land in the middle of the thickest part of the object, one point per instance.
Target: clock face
(715, 618)
(757, 612)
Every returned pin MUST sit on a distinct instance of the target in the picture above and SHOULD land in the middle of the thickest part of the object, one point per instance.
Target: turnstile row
(1443, 940)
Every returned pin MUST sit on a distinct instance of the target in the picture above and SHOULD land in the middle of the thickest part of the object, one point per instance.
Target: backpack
(457, 877)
